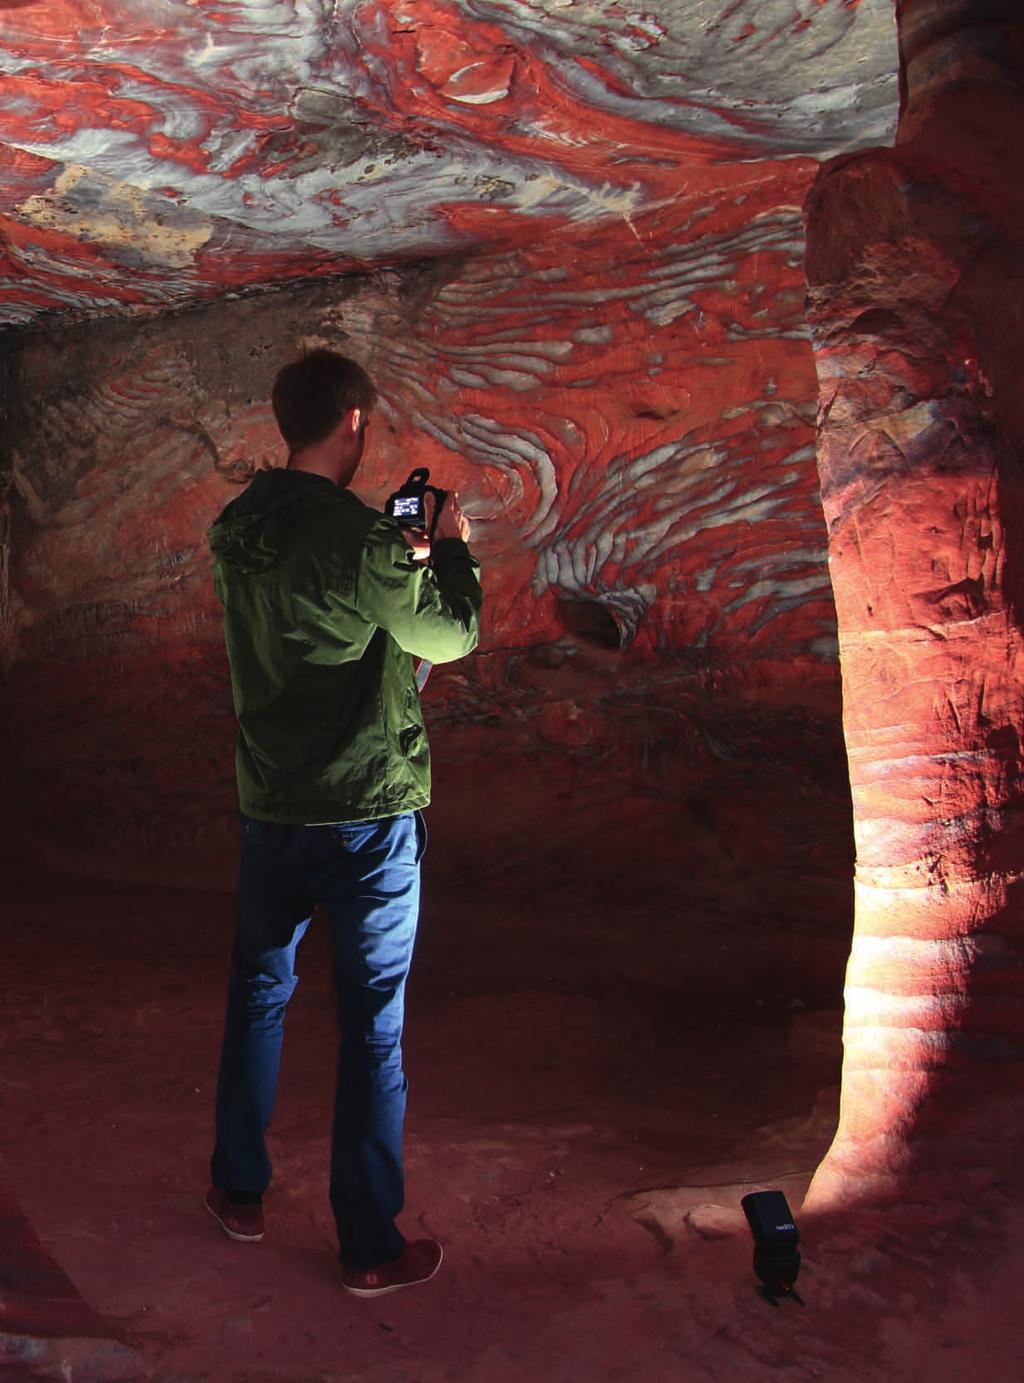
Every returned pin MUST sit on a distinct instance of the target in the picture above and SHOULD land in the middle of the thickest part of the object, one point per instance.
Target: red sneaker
(419, 1261)
(243, 1222)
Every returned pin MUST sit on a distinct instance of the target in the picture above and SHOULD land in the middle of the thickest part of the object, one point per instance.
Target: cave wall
(155, 155)
(628, 415)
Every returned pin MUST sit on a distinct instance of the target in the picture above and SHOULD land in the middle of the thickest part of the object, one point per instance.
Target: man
(326, 603)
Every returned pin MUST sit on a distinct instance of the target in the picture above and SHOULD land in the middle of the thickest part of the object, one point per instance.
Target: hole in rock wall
(591, 622)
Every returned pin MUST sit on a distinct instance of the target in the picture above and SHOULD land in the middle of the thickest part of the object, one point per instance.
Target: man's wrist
(455, 542)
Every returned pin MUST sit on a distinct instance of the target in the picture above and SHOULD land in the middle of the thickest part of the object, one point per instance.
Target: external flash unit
(776, 1256)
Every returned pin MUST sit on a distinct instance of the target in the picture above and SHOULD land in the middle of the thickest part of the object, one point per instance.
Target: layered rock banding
(155, 155)
(636, 478)
(916, 303)
(618, 377)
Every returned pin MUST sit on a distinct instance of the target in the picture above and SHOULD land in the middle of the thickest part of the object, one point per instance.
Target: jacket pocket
(409, 738)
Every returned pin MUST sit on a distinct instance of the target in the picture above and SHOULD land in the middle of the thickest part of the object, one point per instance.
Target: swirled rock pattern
(628, 416)
(159, 153)
(573, 244)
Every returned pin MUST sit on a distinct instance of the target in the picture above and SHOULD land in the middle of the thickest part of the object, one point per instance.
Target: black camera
(408, 504)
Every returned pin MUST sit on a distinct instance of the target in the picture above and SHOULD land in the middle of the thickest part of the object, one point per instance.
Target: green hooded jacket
(325, 608)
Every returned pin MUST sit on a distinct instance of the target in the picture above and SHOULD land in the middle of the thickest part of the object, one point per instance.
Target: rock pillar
(6, 793)
(915, 266)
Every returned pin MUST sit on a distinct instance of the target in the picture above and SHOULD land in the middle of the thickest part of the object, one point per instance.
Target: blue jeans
(365, 875)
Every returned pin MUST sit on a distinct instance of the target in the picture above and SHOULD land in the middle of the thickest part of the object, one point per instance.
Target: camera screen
(407, 507)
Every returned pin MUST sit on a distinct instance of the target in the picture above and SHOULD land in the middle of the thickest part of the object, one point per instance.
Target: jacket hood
(249, 533)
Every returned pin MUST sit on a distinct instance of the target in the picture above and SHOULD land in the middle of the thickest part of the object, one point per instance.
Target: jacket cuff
(449, 548)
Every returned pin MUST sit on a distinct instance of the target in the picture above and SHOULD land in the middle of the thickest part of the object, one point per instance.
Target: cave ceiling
(165, 152)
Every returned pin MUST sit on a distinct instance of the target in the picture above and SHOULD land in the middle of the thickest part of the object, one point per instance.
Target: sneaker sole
(231, 1233)
(395, 1287)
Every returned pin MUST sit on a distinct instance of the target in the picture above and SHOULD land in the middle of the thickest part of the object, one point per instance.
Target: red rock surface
(606, 352)
(157, 154)
(916, 315)
(596, 1080)
(44, 1323)
(634, 445)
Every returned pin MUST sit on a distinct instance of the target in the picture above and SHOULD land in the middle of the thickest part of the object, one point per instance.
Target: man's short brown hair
(313, 394)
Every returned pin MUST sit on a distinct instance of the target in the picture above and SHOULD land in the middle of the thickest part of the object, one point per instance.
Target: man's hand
(418, 542)
(453, 522)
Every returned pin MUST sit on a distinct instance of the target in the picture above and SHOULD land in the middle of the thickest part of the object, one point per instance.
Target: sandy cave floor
(583, 1123)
